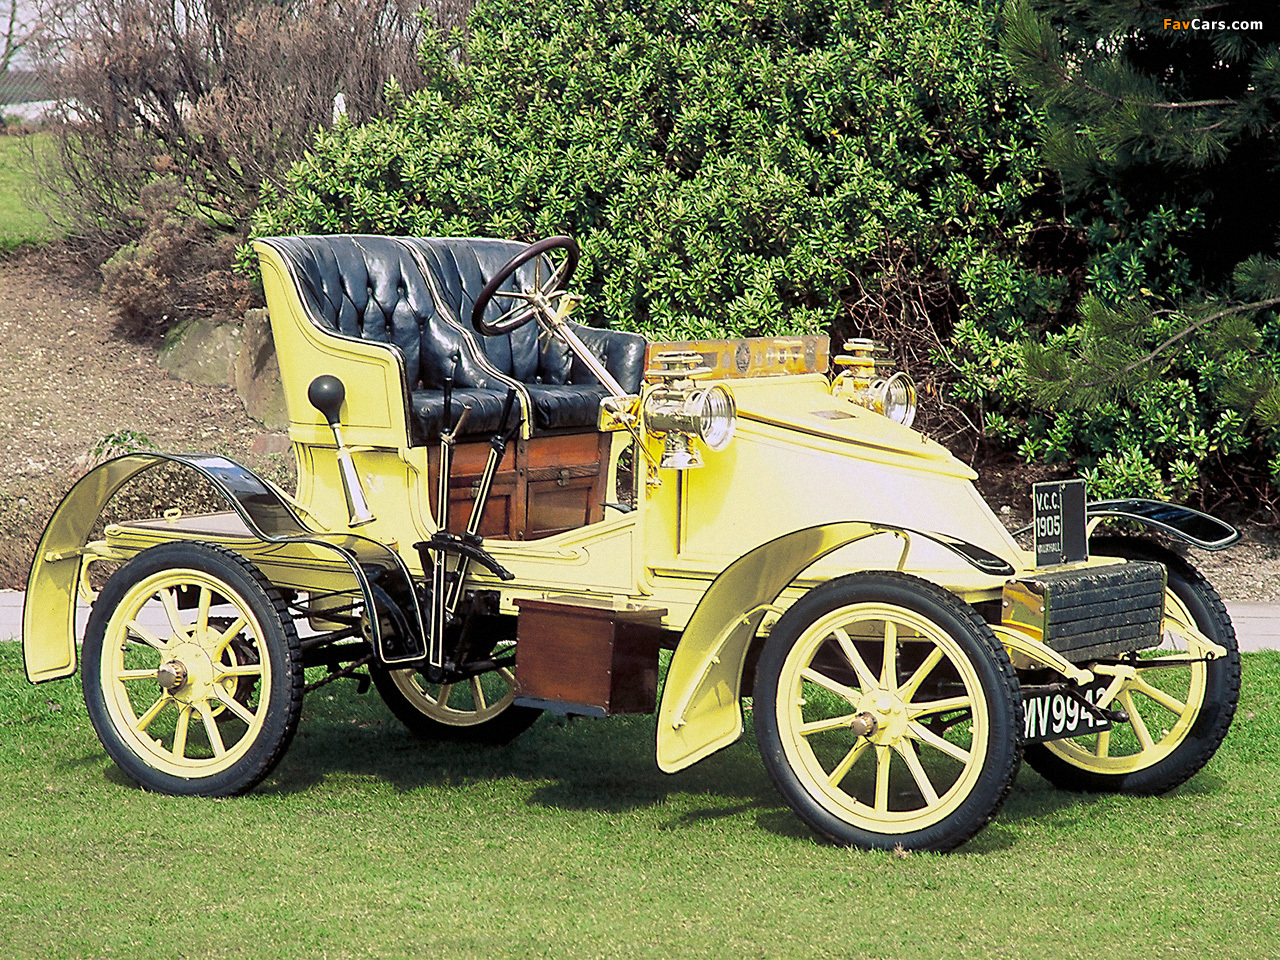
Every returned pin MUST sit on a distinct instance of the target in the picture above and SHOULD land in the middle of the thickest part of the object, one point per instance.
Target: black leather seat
(417, 294)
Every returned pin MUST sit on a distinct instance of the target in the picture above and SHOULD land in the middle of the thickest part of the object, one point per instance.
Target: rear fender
(49, 613)
(700, 711)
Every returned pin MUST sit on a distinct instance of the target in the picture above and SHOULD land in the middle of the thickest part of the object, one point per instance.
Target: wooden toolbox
(586, 656)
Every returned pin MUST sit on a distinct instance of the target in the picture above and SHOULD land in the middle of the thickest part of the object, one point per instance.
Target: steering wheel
(530, 302)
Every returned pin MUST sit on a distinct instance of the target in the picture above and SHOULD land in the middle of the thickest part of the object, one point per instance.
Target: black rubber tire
(804, 635)
(1217, 707)
(412, 699)
(139, 753)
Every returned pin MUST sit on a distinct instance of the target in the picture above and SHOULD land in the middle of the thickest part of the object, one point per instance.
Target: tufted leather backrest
(366, 287)
(417, 293)
(460, 267)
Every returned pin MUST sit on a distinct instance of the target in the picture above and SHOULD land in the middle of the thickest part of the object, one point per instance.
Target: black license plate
(1056, 716)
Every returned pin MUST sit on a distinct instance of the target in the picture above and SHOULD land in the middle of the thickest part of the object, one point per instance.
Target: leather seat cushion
(565, 406)
(427, 407)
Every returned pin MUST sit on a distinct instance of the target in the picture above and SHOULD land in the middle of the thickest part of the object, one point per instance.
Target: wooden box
(543, 486)
(585, 656)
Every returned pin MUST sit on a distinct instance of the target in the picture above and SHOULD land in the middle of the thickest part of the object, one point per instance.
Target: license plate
(1056, 716)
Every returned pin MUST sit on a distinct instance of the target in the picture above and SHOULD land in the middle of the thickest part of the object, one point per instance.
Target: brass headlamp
(862, 383)
(679, 410)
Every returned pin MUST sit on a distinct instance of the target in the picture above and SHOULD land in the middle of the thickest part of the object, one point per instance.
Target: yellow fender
(700, 710)
(272, 530)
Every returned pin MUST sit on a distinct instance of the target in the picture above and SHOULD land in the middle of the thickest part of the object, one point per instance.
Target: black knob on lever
(326, 394)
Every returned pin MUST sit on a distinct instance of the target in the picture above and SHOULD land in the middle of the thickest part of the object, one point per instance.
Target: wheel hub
(172, 676)
(884, 714)
(188, 676)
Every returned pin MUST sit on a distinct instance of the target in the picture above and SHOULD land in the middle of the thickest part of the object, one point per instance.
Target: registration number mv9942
(1054, 715)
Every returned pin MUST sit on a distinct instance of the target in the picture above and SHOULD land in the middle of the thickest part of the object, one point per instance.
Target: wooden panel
(588, 653)
(544, 485)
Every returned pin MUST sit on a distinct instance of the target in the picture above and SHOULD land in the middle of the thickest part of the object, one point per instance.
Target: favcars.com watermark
(1198, 24)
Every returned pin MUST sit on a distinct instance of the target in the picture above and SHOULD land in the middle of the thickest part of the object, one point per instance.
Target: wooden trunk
(589, 657)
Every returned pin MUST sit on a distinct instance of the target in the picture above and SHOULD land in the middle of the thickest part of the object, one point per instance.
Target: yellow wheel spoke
(883, 758)
(235, 706)
(135, 675)
(1135, 719)
(202, 611)
(929, 707)
(152, 712)
(851, 654)
(845, 765)
(835, 686)
(925, 735)
(180, 731)
(146, 636)
(211, 728)
(889, 670)
(239, 670)
(219, 645)
(831, 723)
(507, 675)
(477, 694)
(1103, 747)
(908, 753)
(908, 689)
(1162, 697)
(170, 600)
(446, 690)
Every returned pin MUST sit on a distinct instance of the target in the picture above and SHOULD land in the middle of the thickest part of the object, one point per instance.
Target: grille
(1091, 614)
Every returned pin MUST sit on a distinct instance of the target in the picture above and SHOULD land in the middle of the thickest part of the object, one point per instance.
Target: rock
(201, 351)
(256, 374)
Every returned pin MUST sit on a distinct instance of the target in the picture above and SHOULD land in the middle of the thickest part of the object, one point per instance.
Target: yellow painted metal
(853, 781)
(49, 608)
(225, 673)
(699, 713)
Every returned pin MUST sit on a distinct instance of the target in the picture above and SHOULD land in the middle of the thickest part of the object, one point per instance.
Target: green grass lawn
(569, 843)
(21, 224)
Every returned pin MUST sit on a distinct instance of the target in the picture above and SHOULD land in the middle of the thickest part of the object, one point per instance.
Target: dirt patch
(73, 391)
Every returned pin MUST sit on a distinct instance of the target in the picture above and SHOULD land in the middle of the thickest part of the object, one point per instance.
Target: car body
(500, 512)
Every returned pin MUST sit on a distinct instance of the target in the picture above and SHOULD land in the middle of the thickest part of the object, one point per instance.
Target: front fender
(1191, 526)
(700, 711)
(49, 611)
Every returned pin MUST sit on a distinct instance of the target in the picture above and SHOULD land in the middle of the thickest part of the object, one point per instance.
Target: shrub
(730, 168)
(200, 102)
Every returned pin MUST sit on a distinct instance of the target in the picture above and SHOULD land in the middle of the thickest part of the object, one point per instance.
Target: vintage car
(501, 512)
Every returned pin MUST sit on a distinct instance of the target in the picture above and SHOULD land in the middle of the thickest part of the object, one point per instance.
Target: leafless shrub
(212, 99)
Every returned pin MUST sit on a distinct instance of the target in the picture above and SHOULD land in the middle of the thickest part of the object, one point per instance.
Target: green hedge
(729, 168)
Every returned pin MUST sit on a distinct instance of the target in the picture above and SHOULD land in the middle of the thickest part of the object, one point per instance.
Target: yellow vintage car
(500, 512)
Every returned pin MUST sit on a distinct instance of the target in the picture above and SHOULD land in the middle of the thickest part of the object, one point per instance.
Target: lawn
(569, 843)
(20, 223)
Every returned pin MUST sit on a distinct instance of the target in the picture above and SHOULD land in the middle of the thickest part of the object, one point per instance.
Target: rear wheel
(887, 713)
(478, 709)
(192, 674)
(1180, 704)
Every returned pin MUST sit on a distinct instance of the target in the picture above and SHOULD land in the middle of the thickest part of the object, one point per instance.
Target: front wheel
(1180, 704)
(887, 714)
(192, 673)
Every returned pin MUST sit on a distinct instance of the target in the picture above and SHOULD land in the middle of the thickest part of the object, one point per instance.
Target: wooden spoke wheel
(192, 674)
(478, 709)
(887, 713)
(1180, 705)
